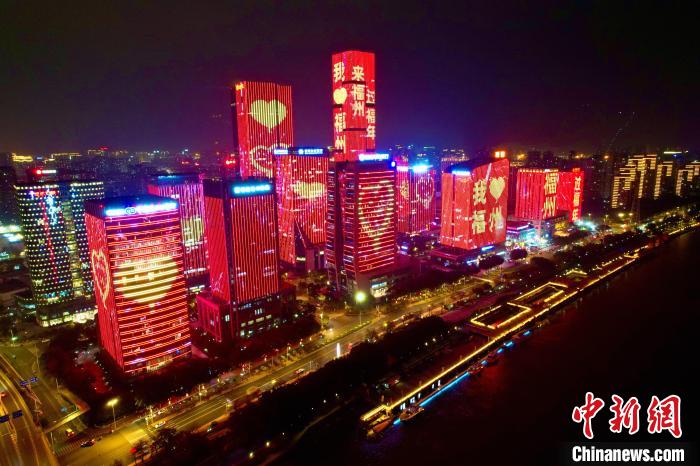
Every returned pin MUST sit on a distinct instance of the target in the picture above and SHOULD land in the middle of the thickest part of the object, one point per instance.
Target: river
(635, 335)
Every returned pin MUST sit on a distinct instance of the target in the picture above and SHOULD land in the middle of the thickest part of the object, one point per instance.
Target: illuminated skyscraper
(138, 268)
(687, 178)
(361, 225)
(44, 229)
(474, 204)
(415, 197)
(187, 189)
(536, 193)
(570, 193)
(242, 237)
(545, 193)
(262, 123)
(633, 181)
(663, 178)
(361, 221)
(301, 194)
(354, 100)
(52, 219)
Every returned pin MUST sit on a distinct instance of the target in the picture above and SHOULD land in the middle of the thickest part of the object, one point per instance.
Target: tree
(165, 440)
(517, 254)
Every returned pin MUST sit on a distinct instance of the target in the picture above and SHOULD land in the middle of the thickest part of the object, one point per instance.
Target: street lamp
(111, 403)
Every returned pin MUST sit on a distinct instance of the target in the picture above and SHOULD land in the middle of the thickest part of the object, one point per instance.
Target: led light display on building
(543, 193)
(474, 204)
(138, 269)
(187, 190)
(354, 99)
(361, 222)
(536, 192)
(262, 123)
(242, 237)
(48, 259)
(52, 218)
(570, 193)
(301, 194)
(415, 200)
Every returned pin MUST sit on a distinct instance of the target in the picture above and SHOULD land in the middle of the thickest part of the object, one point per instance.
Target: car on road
(212, 426)
(87, 443)
(158, 425)
(299, 371)
(70, 433)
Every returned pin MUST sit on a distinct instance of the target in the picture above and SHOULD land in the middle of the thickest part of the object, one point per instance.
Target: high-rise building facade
(664, 177)
(536, 193)
(44, 229)
(687, 178)
(138, 268)
(301, 194)
(361, 224)
(354, 104)
(545, 193)
(53, 223)
(186, 188)
(415, 196)
(633, 181)
(570, 193)
(76, 193)
(474, 204)
(262, 117)
(242, 237)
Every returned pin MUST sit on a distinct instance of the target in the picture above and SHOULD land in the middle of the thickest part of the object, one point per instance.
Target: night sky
(143, 75)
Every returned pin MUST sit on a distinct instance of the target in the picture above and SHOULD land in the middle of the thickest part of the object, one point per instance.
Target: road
(54, 404)
(21, 442)
(117, 446)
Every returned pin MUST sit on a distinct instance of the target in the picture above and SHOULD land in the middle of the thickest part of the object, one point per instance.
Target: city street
(53, 402)
(21, 441)
(118, 445)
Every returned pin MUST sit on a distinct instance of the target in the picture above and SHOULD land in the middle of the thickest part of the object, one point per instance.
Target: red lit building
(186, 188)
(262, 123)
(354, 99)
(138, 270)
(361, 225)
(361, 222)
(242, 238)
(415, 196)
(543, 193)
(474, 204)
(570, 193)
(536, 193)
(301, 193)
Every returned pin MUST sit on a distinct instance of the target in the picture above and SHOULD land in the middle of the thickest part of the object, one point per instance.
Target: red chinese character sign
(570, 193)
(354, 97)
(474, 205)
(263, 123)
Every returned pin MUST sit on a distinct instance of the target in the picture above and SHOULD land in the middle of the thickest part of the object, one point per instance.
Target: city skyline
(366, 223)
(604, 82)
